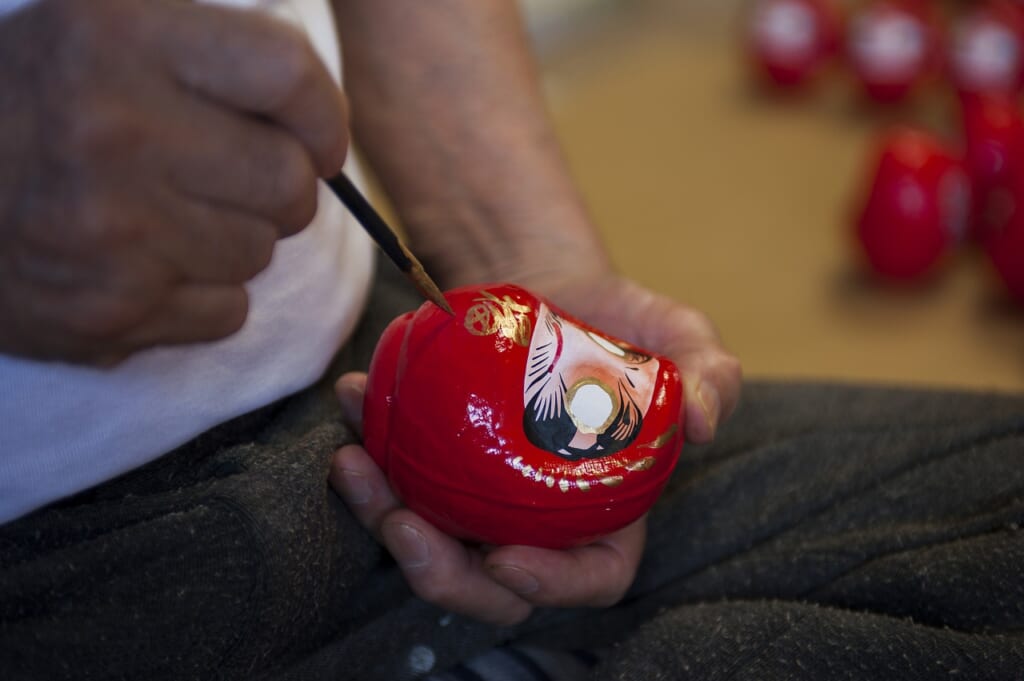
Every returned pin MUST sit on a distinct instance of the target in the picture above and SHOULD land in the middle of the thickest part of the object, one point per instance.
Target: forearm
(447, 108)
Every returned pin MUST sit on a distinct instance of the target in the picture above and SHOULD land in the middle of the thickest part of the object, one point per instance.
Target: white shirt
(66, 428)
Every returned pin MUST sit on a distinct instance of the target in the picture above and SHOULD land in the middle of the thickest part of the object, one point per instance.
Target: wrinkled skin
(153, 155)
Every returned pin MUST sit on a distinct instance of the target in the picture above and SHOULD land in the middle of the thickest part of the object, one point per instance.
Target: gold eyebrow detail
(661, 440)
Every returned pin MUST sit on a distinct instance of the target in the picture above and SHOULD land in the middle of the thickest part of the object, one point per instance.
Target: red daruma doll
(1002, 228)
(790, 41)
(512, 423)
(993, 133)
(916, 207)
(1005, 244)
(987, 51)
(892, 46)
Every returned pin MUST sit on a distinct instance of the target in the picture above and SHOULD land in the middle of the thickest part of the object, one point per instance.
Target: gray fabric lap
(865, 510)
(836, 511)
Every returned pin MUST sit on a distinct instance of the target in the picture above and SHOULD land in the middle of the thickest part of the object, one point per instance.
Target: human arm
(447, 107)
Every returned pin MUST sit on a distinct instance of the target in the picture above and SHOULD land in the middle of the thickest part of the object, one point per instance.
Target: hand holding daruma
(513, 423)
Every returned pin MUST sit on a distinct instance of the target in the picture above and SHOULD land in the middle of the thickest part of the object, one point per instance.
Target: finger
(191, 313)
(351, 391)
(97, 327)
(260, 65)
(596, 575)
(363, 486)
(444, 571)
(712, 380)
(210, 244)
(712, 377)
(97, 297)
(235, 161)
(438, 568)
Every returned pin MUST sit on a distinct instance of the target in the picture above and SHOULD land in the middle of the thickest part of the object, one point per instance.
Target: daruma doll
(916, 207)
(892, 47)
(513, 423)
(993, 133)
(986, 54)
(790, 41)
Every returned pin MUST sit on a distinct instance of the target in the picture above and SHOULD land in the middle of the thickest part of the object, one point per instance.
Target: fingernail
(515, 578)
(350, 396)
(708, 398)
(407, 545)
(354, 487)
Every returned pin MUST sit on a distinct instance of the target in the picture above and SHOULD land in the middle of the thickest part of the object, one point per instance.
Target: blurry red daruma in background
(993, 133)
(986, 53)
(790, 41)
(1004, 241)
(915, 208)
(1001, 224)
(892, 47)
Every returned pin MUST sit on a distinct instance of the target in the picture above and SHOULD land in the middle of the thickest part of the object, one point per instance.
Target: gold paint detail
(540, 475)
(663, 439)
(645, 464)
(502, 316)
(570, 395)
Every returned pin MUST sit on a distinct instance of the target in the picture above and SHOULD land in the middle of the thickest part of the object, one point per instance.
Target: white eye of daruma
(607, 345)
(590, 406)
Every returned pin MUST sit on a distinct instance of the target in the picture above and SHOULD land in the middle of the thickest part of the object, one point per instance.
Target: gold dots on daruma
(644, 464)
(582, 484)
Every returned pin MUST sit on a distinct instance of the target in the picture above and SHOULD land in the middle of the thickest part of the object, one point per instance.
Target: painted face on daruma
(510, 422)
(585, 395)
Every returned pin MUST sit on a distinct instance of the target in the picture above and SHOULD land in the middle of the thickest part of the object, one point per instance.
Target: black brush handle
(388, 241)
(370, 220)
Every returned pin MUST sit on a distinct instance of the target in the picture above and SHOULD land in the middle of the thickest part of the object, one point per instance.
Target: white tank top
(66, 428)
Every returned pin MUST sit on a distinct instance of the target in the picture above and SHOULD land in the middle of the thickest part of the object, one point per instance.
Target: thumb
(350, 390)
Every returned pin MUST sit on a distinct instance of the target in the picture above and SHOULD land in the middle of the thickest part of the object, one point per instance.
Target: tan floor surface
(739, 204)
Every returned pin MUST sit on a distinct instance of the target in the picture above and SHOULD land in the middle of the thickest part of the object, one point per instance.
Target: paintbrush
(386, 238)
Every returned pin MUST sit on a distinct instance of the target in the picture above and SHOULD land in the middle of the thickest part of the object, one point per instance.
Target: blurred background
(741, 201)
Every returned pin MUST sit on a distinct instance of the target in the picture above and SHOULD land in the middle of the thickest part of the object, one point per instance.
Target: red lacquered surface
(1002, 228)
(1006, 248)
(790, 41)
(916, 207)
(892, 47)
(993, 132)
(512, 423)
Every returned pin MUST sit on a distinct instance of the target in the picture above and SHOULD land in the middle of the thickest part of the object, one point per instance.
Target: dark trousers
(830, 533)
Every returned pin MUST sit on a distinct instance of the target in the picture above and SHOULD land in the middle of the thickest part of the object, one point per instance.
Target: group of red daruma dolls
(926, 196)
